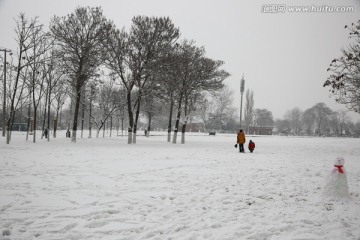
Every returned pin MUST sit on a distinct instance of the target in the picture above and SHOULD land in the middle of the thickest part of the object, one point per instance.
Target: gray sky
(284, 56)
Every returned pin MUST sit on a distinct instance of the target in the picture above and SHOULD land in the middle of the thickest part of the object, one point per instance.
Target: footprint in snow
(96, 224)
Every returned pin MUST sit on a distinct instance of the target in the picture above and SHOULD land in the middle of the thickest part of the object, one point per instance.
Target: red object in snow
(339, 168)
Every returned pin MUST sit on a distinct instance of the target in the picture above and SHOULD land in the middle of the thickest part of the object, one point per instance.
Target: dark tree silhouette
(344, 81)
(79, 37)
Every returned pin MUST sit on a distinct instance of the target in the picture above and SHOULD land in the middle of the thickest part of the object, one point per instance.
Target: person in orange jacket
(241, 140)
(251, 146)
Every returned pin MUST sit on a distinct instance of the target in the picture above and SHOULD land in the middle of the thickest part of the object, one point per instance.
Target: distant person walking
(46, 133)
(241, 140)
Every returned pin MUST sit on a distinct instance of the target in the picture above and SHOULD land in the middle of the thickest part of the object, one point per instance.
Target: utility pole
(4, 100)
(242, 87)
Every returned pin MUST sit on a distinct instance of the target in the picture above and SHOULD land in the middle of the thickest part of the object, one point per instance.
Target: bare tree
(213, 117)
(152, 106)
(54, 77)
(79, 37)
(41, 45)
(197, 73)
(205, 107)
(249, 108)
(92, 96)
(134, 58)
(168, 78)
(223, 100)
(15, 92)
(31, 41)
(118, 61)
(342, 118)
(60, 91)
(308, 120)
(107, 104)
(263, 118)
(4, 73)
(322, 114)
(294, 117)
(344, 81)
(150, 39)
(357, 128)
(283, 126)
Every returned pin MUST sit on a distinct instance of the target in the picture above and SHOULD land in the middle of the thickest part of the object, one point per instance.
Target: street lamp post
(4, 89)
(242, 87)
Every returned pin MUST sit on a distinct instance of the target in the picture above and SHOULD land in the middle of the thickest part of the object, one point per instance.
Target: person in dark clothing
(46, 133)
(251, 146)
(241, 140)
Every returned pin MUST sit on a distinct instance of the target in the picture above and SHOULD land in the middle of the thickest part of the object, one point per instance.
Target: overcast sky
(284, 56)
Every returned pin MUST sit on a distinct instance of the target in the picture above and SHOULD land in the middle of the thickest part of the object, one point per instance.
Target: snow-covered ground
(205, 189)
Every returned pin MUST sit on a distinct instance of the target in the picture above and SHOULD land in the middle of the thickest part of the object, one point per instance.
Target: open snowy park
(205, 189)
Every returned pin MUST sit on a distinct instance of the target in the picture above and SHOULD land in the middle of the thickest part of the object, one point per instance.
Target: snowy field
(106, 189)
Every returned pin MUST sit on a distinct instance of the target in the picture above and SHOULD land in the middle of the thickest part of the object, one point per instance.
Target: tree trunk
(55, 124)
(149, 126)
(122, 127)
(129, 135)
(48, 117)
(76, 112)
(45, 113)
(104, 126)
(10, 120)
(71, 116)
(186, 119)
(9, 125)
(82, 113)
(134, 133)
(137, 114)
(122, 123)
(111, 123)
(34, 105)
(59, 117)
(170, 120)
(177, 121)
(34, 123)
(4, 99)
(90, 119)
(131, 118)
(117, 125)
(28, 118)
(183, 131)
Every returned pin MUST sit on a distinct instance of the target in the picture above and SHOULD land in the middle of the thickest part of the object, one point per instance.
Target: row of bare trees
(318, 120)
(28, 78)
(218, 114)
(107, 72)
